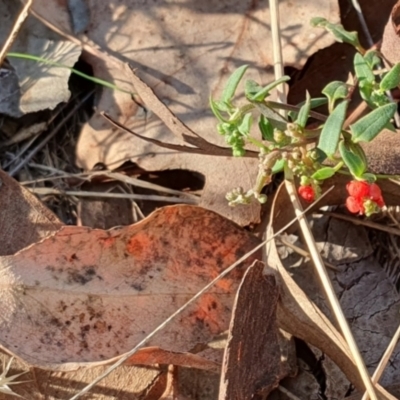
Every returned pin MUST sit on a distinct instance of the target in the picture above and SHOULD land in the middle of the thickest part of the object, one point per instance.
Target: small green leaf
(266, 129)
(329, 138)
(362, 69)
(372, 59)
(323, 173)
(316, 102)
(340, 34)
(366, 91)
(391, 79)
(357, 150)
(276, 120)
(335, 90)
(232, 84)
(216, 111)
(369, 177)
(244, 127)
(368, 127)
(264, 92)
(251, 88)
(353, 162)
(304, 112)
(278, 166)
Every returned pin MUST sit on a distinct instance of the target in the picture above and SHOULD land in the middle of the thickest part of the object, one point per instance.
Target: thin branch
(15, 29)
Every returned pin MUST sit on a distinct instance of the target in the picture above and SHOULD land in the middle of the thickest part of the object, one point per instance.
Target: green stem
(75, 71)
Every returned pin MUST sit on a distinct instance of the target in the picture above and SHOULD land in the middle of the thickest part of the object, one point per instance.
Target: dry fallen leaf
(252, 360)
(40, 86)
(108, 289)
(185, 51)
(23, 218)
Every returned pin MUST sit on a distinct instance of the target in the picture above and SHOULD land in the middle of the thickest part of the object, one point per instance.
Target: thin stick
(277, 48)
(327, 284)
(193, 299)
(364, 25)
(149, 197)
(87, 176)
(15, 29)
(50, 135)
(384, 360)
(369, 224)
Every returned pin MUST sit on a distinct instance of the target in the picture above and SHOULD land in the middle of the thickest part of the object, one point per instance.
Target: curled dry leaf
(84, 296)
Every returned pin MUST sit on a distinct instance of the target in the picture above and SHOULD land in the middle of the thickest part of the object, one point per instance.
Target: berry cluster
(364, 198)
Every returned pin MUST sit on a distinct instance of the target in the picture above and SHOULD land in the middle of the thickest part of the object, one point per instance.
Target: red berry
(375, 192)
(307, 193)
(364, 197)
(358, 189)
(353, 205)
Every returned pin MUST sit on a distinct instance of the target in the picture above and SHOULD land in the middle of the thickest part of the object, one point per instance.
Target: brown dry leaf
(108, 289)
(390, 47)
(252, 359)
(185, 51)
(297, 314)
(23, 218)
(37, 86)
(104, 213)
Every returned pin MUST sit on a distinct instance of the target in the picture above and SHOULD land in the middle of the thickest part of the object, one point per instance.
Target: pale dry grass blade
(286, 392)
(78, 193)
(117, 176)
(385, 359)
(327, 285)
(15, 29)
(370, 224)
(277, 49)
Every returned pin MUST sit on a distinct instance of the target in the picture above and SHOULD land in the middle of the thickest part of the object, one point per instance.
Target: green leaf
(357, 150)
(304, 112)
(266, 129)
(335, 90)
(251, 88)
(340, 34)
(276, 120)
(232, 84)
(278, 166)
(216, 111)
(366, 91)
(369, 177)
(264, 92)
(369, 126)
(391, 79)
(362, 69)
(353, 162)
(244, 127)
(372, 59)
(316, 102)
(323, 173)
(329, 138)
